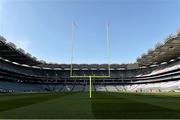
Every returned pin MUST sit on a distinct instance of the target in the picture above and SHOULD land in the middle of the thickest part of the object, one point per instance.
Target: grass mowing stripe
(76, 105)
(11, 96)
(29, 99)
(114, 105)
(164, 100)
(101, 105)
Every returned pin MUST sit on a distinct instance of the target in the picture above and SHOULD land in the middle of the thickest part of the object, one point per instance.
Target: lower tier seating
(171, 86)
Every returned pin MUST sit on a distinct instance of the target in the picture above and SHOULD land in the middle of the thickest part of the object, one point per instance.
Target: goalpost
(90, 76)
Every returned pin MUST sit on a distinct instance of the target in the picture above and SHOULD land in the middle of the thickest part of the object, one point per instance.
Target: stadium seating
(170, 86)
(67, 88)
(78, 88)
(111, 88)
(22, 78)
(100, 88)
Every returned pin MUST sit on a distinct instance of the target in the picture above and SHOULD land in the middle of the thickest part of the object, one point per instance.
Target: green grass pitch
(101, 105)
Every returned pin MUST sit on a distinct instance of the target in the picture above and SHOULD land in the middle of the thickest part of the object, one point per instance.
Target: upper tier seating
(162, 69)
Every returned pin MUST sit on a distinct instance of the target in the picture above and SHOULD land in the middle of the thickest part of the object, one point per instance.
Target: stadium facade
(157, 70)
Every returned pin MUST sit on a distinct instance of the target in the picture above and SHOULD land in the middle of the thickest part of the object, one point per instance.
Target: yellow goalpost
(94, 76)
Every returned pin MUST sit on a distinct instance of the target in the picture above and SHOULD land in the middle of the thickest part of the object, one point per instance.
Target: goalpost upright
(90, 76)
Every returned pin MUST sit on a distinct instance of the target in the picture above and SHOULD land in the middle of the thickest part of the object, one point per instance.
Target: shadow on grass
(107, 106)
(28, 99)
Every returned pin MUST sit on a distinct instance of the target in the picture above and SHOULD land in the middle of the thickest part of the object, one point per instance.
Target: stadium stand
(156, 71)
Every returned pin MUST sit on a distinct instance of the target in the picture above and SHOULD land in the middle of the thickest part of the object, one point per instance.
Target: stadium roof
(163, 52)
(9, 51)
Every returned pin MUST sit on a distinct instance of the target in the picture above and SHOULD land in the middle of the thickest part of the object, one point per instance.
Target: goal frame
(90, 76)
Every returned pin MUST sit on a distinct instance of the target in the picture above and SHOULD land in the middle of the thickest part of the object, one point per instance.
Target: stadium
(22, 73)
(146, 89)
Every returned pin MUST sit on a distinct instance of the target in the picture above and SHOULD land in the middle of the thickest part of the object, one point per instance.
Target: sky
(43, 28)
